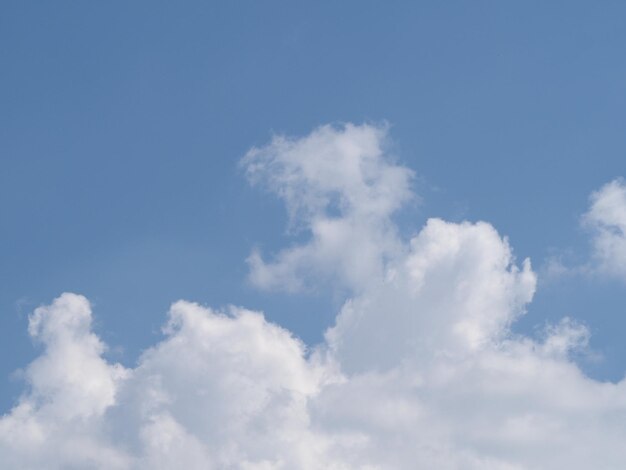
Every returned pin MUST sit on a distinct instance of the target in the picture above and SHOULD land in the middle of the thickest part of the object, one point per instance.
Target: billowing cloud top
(420, 369)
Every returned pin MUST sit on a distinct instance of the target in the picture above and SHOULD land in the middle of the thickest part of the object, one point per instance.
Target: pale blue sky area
(121, 125)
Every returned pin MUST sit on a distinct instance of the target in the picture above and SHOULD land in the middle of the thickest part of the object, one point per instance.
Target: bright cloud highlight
(420, 370)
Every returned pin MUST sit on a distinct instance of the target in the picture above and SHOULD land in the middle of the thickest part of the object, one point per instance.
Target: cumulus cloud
(221, 390)
(456, 290)
(607, 220)
(420, 369)
(341, 186)
(70, 388)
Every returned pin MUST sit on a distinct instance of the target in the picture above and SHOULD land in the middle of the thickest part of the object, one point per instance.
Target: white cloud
(57, 420)
(220, 391)
(340, 185)
(607, 219)
(421, 369)
(455, 290)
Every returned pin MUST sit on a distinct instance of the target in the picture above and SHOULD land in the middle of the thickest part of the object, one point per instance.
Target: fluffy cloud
(57, 422)
(342, 187)
(607, 219)
(456, 290)
(420, 370)
(222, 390)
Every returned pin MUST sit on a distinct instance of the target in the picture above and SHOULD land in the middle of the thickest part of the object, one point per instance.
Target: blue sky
(122, 126)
